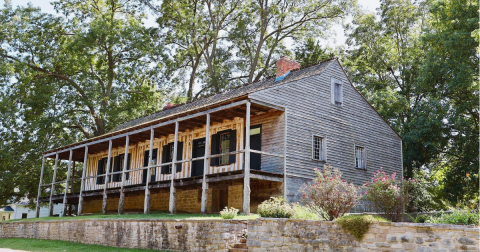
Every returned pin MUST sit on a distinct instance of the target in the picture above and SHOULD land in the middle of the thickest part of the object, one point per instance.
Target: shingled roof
(228, 95)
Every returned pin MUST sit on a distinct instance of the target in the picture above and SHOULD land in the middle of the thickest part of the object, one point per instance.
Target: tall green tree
(70, 77)
(450, 73)
(311, 52)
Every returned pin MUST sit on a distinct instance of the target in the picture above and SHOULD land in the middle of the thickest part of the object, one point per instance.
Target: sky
(337, 40)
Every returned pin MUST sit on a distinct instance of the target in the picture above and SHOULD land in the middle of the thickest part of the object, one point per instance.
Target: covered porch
(193, 150)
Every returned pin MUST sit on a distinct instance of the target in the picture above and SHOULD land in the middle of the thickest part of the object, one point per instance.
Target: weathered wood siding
(310, 111)
(272, 141)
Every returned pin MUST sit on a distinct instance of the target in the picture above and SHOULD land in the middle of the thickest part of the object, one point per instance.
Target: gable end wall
(310, 111)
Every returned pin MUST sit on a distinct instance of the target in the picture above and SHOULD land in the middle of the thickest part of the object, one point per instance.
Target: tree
(70, 77)
(310, 52)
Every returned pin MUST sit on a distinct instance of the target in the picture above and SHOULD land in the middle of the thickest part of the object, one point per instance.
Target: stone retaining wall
(179, 235)
(267, 234)
(264, 234)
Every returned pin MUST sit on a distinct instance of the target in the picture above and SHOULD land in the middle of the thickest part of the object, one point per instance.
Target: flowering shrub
(389, 195)
(275, 207)
(329, 195)
(228, 213)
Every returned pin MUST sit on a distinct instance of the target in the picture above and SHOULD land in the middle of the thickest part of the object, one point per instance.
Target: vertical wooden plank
(104, 203)
(82, 183)
(146, 205)
(66, 184)
(246, 179)
(206, 167)
(50, 205)
(121, 201)
(37, 209)
(172, 204)
(285, 156)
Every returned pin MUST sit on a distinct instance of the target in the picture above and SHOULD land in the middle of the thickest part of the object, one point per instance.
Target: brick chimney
(284, 65)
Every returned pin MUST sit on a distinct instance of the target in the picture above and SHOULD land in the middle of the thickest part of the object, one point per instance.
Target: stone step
(238, 250)
(243, 240)
(240, 245)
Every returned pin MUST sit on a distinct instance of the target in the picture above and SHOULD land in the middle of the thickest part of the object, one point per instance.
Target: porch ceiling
(165, 130)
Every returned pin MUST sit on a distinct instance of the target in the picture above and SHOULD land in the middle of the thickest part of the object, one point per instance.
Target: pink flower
(343, 180)
(366, 192)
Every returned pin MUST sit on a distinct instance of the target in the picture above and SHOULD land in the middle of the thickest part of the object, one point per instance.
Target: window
(153, 170)
(24, 215)
(167, 157)
(224, 147)
(319, 148)
(337, 92)
(360, 157)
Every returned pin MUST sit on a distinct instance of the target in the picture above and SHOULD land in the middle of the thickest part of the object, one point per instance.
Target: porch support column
(172, 206)
(206, 166)
(146, 205)
(107, 176)
(121, 201)
(82, 183)
(285, 156)
(37, 209)
(246, 180)
(50, 205)
(66, 184)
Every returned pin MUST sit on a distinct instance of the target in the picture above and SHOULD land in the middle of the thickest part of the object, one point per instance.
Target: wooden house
(235, 149)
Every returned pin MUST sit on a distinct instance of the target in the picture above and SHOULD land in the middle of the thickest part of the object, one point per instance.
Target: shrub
(275, 207)
(228, 213)
(304, 213)
(358, 225)
(329, 195)
(389, 195)
(456, 217)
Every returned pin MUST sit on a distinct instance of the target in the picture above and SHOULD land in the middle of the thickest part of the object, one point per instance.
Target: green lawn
(153, 215)
(61, 246)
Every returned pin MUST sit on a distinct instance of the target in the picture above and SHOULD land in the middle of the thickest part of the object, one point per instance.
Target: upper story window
(360, 157)
(337, 92)
(224, 147)
(319, 148)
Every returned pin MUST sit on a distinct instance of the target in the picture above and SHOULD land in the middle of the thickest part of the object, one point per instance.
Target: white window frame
(333, 82)
(364, 158)
(323, 155)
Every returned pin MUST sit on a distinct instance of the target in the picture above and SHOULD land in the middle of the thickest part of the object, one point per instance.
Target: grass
(153, 215)
(358, 225)
(61, 246)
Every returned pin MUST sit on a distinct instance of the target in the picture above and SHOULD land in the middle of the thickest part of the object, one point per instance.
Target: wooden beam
(105, 202)
(50, 206)
(121, 201)
(82, 183)
(173, 195)
(223, 178)
(265, 177)
(37, 209)
(206, 166)
(146, 205)
(66, 184)
(265, 104)
(246, 179)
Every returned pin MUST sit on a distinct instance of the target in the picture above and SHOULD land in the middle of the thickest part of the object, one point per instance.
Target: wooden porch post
(206, 166)
(121, 202)
(37, 209)
(50, 205)
(109, 161)
(173, 195)
(246, 180)
(146, 205)
(285, 156)
(82, 183)
(66, 184)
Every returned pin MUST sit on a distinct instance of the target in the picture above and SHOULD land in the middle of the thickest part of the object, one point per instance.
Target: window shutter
(127, 175)
(165, 158)
(116, 168)
(179, 155)
(233, 146)
(100, 171)
(154, 157)
(145, 164)
(214, 150)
